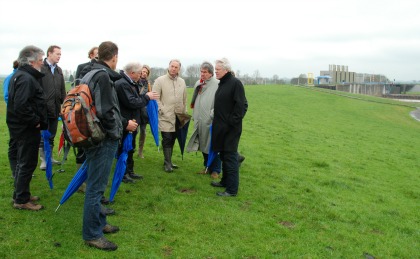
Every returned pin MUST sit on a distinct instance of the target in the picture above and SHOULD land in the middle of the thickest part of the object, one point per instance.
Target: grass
(325, 176)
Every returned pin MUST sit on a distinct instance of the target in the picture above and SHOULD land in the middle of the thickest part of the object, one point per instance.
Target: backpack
(78, 112)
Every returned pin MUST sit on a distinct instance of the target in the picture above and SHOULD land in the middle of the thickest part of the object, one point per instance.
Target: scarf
(197, 91)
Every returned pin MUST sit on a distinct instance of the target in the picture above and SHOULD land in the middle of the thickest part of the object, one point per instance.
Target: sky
(273, 37)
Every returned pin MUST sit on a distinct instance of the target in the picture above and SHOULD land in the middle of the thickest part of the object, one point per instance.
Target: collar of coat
(172, 78)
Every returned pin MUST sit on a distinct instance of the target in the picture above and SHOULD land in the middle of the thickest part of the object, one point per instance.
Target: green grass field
(325, 176)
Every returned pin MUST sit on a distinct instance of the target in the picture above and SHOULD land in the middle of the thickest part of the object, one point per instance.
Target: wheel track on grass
(415, 114)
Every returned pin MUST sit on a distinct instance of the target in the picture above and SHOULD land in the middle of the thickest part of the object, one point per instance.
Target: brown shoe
(34, 198)
(202, 171)
(102, 243)
(109, 229)
(27, 206)
(31, 199)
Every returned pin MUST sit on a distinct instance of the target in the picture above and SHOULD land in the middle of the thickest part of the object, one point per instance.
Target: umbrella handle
(57, 207)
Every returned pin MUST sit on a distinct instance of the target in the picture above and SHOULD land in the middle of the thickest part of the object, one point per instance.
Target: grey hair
(132, 67)
(208, 66)
(29, 54)
(175, 60)
(224, 62)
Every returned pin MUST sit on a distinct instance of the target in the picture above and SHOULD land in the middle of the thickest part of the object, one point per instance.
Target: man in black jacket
(26, 117)
(99, 158)
(131, 101)
(93, 56)
(55, 92)
(229, 109)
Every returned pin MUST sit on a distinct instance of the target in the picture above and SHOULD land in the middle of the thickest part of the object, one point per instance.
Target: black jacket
(130, 99)
(54, 89)
(229, 110)
(26, 107)
(106, 100)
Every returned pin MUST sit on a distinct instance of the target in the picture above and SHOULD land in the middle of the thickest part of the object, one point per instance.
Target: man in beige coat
(172, 101)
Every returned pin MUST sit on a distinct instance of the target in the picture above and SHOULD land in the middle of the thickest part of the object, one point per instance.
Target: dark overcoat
(229, 109)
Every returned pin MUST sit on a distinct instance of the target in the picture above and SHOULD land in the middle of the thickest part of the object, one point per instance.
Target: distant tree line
(192, 73)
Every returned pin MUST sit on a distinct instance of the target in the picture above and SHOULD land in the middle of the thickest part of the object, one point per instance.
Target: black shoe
(104, 200)
(127, 179)
(109, 229)
(216, 184)
(135, 176)
(107, 211)
(241, 158)
(102, 243)
(174, 166)
(225, 194)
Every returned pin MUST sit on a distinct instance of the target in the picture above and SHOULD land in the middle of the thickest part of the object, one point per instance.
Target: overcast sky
(284, 38)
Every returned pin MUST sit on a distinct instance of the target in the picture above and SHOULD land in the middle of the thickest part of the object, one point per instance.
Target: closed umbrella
(121, 165)
(153, 113)
(182, 132)
(79, 178)
(47, 151)
(211, 155)
(63, 145)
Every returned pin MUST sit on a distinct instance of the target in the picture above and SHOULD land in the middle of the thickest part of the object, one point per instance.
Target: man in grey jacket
(203, 105)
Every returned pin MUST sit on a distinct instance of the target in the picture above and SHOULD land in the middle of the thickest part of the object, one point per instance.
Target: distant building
(340, 74)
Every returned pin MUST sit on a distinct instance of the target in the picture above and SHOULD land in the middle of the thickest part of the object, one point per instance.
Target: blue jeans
(99, 161)
(230, 167)
(216, 165)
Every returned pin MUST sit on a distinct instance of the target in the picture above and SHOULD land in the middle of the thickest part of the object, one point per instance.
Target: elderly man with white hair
(229, 110)
(131, 101)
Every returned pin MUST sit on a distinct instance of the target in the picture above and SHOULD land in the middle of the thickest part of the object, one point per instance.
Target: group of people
(36, 91)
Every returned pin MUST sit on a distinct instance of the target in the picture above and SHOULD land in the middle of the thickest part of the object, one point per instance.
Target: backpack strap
(88, 77)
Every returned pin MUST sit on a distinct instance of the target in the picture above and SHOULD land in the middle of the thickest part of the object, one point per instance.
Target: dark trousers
(12, 154)
(130, 160)
(215, 165)
(52, 128)
(230, 169)
(27, 160)
(80, 156)
(168, 139)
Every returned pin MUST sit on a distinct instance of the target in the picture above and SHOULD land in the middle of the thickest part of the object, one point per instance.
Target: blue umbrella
(182, 132)
(47, 151)
(212, 155)
(121, 165)
(153, 113)
(79, 178)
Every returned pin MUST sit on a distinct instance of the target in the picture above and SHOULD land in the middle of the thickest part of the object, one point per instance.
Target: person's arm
(239, 103)
(157, 87)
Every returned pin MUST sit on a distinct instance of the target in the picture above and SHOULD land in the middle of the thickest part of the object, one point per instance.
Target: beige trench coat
(173, 99)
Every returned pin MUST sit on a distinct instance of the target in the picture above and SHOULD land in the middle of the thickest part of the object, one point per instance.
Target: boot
(141, 144)
(130, 171)
(174, 166)
(167, 152)
(53, 161)
(43, 165)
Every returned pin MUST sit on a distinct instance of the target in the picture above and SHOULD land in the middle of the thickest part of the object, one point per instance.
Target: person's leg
(167, 150)
(27, 159)
(99, 160)
(52, 128)
(215, 167)
(130, 160)
(12, 154)
(142, 139)
(172, 143)
(230, 171)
